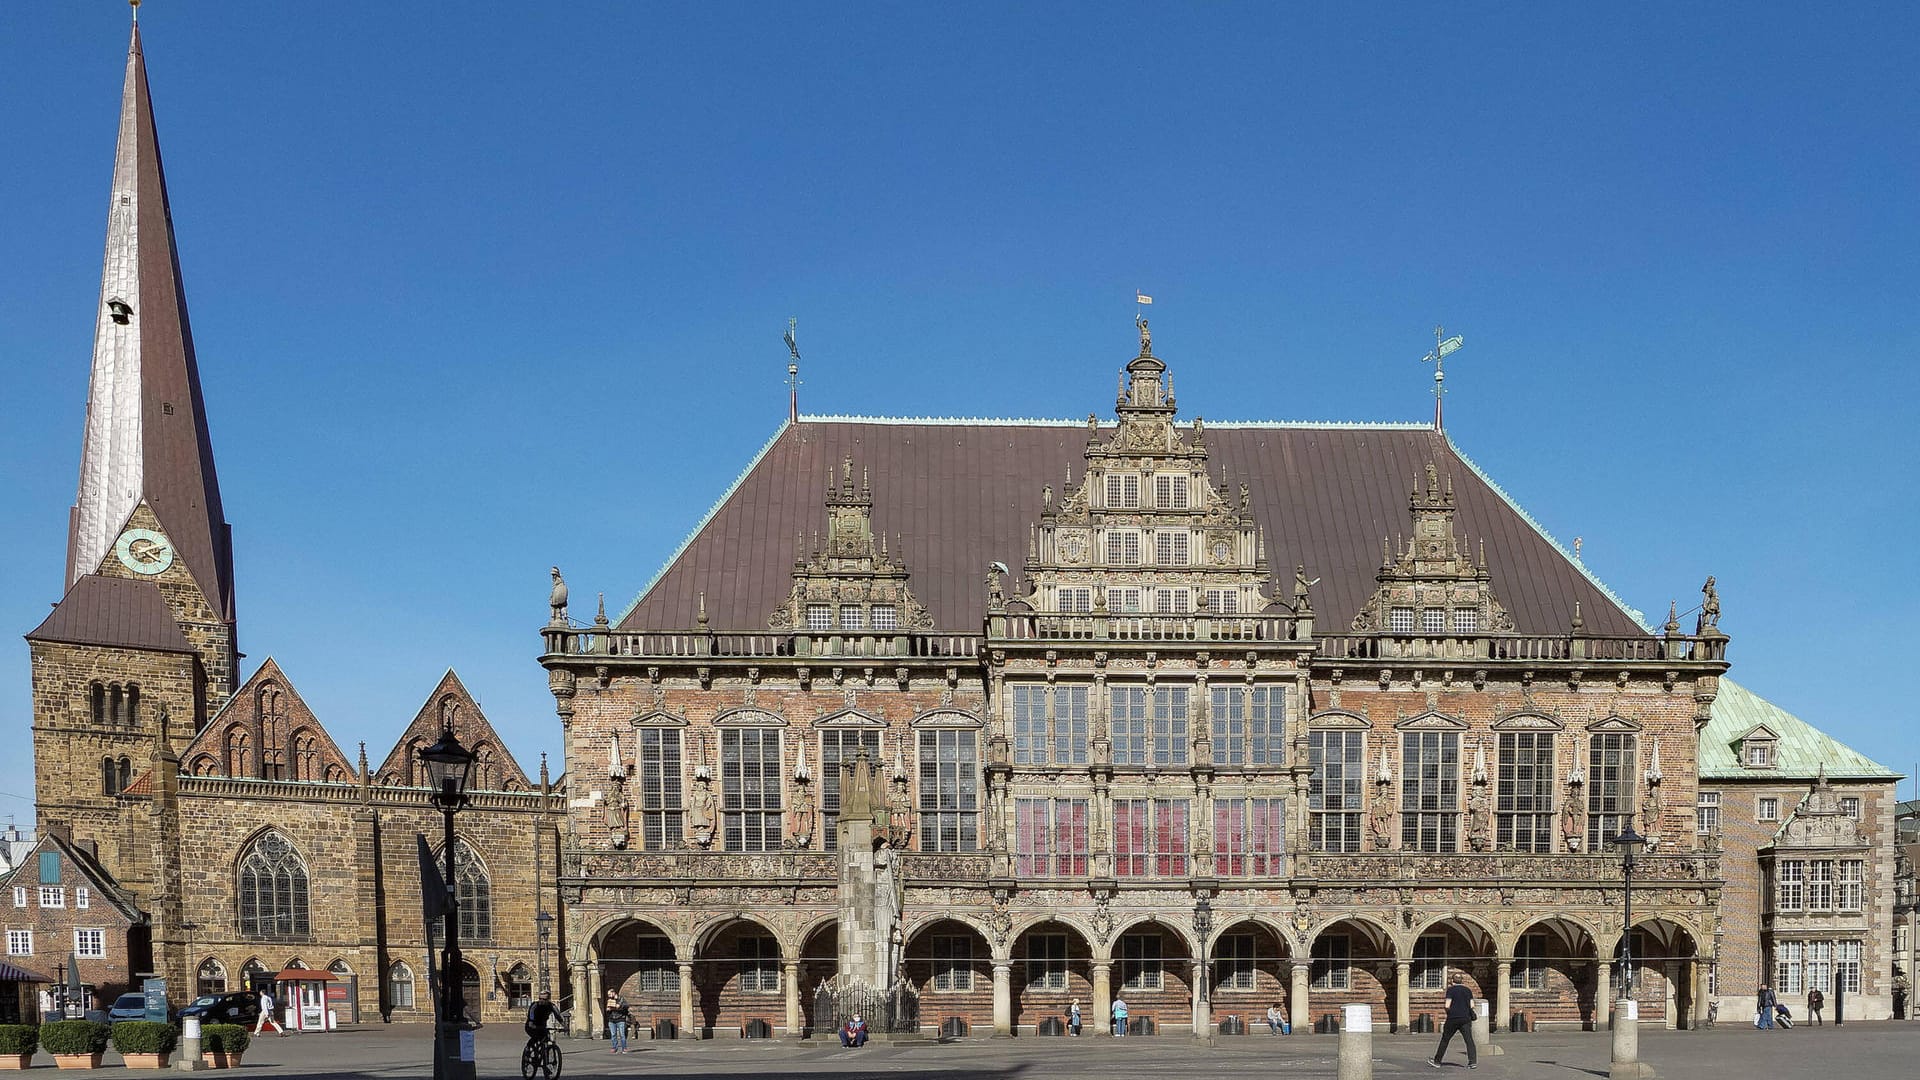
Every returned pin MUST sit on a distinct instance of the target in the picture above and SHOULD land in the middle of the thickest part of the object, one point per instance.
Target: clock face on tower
(144, 551)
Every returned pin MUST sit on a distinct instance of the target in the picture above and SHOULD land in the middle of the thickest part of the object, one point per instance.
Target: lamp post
(1628, 842)
(544, 921)
(449, 767)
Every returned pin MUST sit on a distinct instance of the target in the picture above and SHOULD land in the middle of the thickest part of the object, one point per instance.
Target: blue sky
(480, 289)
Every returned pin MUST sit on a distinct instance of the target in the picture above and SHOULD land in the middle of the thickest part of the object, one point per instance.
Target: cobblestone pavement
(1858, 1051)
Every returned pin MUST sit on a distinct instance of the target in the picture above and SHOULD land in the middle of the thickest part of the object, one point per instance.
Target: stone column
(580, 1027)
(1626, 1044)
(1503, 994)
(1403, 994)
(1202, 1009)
(1102, 998)
(1602, 995)
(1002, 999)
(688, 1030)
(1694, 998)
(1355, 1059)
(790, 974)
(591, 1006)
(1297, 1004)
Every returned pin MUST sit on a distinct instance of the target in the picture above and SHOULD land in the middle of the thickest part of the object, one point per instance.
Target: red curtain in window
(1170, 837)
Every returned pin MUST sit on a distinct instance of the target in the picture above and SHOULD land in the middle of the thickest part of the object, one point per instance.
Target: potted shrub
(75, 1044)
(222, 1044)
(17, 1045)
(144, 1044)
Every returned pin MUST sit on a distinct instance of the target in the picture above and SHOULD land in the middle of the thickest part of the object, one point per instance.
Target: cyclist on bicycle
(539, 1015)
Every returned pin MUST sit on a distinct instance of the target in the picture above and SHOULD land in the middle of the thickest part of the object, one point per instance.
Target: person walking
(1815, 1002)
(1073, 1018)
(266, 1015)
(1119, 1016)
(1460, 1019)
(618, 1017)
(1764, 1001)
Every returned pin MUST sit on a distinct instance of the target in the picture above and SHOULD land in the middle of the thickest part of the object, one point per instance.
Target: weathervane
(1443, 347)
(793, 372)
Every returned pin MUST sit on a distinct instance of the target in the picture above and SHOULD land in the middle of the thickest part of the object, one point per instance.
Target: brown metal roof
(959, 495)
(114, 612)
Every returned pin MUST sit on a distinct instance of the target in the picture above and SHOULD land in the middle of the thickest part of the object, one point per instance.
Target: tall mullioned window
(1049, 723)
(1149, 726)
(1150, 837)
(838, 745)
(949, 789)
(473, 888)
(1334, 789)
(1706, 813)
(1249, 837)
(1249, 725)
(659, 768)
(750, 788)
(1609, 787)
(1524, 796)
(1050, 837)
(272, 893)
(1429, 790)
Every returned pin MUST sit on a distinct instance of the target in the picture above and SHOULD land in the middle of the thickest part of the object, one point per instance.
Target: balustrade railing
(691, 644)
(1131, 627)
(1521, 648)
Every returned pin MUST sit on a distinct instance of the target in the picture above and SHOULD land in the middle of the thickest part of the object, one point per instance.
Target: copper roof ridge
(1606, 590)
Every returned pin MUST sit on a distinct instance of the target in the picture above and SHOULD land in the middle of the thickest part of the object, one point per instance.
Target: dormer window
(1466, 620)
(1433, 620)
(886, 617)
(1400, 620)
(820, 617)
(1757, 753)
(1077, 601)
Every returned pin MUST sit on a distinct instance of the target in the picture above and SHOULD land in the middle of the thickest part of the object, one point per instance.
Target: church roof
(146, 427)
(288, 718)
(1800, 753)
(959, 494)
(114, 612)
(496, 770)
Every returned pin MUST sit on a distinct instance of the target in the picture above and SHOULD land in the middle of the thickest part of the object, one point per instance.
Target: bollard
(1356, 1044)
(1626, 1043)
(1483, 1030)
(189, 1045)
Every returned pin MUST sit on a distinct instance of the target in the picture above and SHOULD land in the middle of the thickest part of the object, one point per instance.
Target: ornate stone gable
(1145, 529)
(1429, 585)
(849, 581)
(450, 703)
(266, 731)
(1819, 823)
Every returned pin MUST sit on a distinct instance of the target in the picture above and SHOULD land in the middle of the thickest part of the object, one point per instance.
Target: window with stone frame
(1234, 962)
(271, 891)
(1050, 723)
(1334, 789)
(1790, 882)
(1331, 962)
(211, 978)
(1788, 968)
(838, 745)
(1123, 547)
(949, 789)
(952, 962)
(1820, 966)
(1223, 601)
(759, 958)
(1523, 794)
(1757, 753)
(1046, 961)
(1706, 814)
(1400, 620)
(1027, 702)
(1820, 885)
(1123, 491)
(1466, 620)
(820, 617)
(1075, 601)
(1249, 725)
(1050, 837)
(1766, 808)
(1249, 837)
(1433, 620)
(90, 943)
(1850, 806)
(1170, 492)
(750, 768)
(1150, 837)
(1849, 888)
(884, 617)
(1123, 601)
(1847, 966)
(1429, 969)
(657, 757)
(1171, 601)
(519, 987)
(400, 986)
(658, 973)
(1609, 786)
(853, 617)
(473, 889)
(1142, 962)
(1429, 790)
(1529, 963)
(1171, 548)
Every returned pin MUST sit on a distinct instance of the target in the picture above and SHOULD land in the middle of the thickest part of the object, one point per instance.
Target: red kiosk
(303, 993)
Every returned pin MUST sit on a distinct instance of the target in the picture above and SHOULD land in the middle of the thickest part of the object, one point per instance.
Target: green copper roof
(1802, 749)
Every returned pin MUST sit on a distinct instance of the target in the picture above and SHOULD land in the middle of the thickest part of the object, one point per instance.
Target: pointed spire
(600, 616)
(146, 426)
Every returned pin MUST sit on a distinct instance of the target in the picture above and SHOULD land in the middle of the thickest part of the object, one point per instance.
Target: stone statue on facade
(1146, 335)
(557, 599)
(618, 815)
(899, 809)
(1573, 816)
(800, 819)
(1301, 601)
(700, 810)
(1380, 820)
(1709, 607)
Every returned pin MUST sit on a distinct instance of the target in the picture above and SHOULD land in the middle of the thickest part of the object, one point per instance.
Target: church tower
(141, 648)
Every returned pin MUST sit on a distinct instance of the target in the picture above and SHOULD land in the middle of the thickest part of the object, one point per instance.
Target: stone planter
(79, 1061)
(219, 1059)
(146, 1061)
(16, 1061)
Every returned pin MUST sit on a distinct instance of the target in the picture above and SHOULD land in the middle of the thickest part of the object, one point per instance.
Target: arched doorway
(1350, 962)
(819, 961)
(637, 960)
(1665, 972)
(1442, 949)
(1250, 967)
(738, 985)
(1052, 965)
(1153, 971)
(471, 999)
(1551, 982)
(950, 965)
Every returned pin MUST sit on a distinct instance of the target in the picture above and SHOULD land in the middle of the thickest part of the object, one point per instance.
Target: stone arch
(1552, 978)
(204, 765)
(1249, 967)
(948, 959)
(1052, 958)
(963, 918)
(1161, 922)
(708, 932)
(1071, 922)
(400, 990)
(210, 977)
(1666, 972)
(303, 754)
(739, 975)
(271, 887)
(238, 744)
(1351, 960)
(1483, 933)
(640, 959)
(816, 962)
(1450, 945)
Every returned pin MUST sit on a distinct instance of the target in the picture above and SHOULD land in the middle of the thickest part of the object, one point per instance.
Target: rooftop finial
(135, 4)
(1443, 347)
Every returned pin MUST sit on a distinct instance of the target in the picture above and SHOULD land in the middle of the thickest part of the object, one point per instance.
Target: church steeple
(146, 427)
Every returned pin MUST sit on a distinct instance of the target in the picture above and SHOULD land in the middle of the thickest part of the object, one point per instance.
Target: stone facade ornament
(851, 571)
(1479, 808)
(1709, 608)
(557, 600)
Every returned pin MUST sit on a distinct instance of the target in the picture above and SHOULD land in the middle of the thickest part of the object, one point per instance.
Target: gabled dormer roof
(76, 866)
(496, 770)
(279, 728)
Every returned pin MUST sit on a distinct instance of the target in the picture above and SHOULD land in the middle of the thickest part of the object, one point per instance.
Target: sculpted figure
(1709, 605)
(800, 818)
(1573, 818)
(700, 808)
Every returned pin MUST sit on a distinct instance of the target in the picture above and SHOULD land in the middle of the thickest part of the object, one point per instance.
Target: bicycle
(541, 1058)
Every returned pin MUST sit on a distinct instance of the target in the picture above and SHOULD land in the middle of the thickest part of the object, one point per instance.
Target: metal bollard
(1483, 1030)
(1356, 1044)
(1626, 1043)
(189, 1045)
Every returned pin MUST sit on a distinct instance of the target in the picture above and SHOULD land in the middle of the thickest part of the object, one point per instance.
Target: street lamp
(1628, 842)
(544, 921)
(449, 767)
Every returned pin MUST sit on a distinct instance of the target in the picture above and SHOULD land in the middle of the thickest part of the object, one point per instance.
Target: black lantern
(449, 769)
(1629, 842)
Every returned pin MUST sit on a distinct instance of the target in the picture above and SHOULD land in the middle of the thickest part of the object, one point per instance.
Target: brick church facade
(1205, 716)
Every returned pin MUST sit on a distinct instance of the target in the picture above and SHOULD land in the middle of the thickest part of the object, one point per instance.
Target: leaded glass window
(660, 802)
(1334, 789)
(272, 892)
(838, 745)
(1429, 790)
(1050, 837)
(949, 790)
(1609, 787)
(1523, 799)
(750, 788)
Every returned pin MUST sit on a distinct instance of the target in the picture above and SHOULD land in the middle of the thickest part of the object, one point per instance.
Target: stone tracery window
(211, 978)
(400, 986)
(239, 752)
(473, 890)
(272, 892)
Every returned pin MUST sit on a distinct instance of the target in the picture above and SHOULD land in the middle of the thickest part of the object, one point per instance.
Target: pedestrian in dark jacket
(1460, 1019)
(1815, 1002)
(1765, 1002)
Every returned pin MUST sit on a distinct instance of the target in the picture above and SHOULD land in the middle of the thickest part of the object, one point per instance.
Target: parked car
(127, 1007)
(240, 1007)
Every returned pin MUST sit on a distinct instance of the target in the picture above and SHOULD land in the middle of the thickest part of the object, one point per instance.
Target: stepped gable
(960, 494)
(266, 731)
(116, 613)
(494, 770)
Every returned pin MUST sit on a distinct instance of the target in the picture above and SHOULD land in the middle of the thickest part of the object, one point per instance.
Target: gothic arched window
(212, 978)
(473, 889)
(107, 777)
(400, 986)
(272, 890)
(253, 974)
(485, 775)
(239, 752)
(98, 699)
(306, 756)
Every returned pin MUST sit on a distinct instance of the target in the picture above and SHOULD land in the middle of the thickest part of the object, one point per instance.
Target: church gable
(494, 768)
(266, 731)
